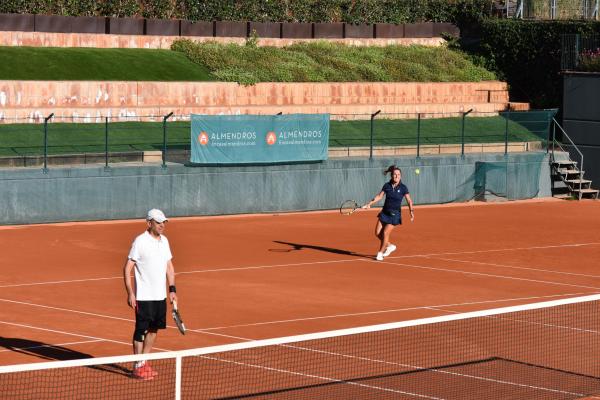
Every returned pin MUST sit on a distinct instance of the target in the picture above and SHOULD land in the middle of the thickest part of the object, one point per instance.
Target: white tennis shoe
(389, 250)
(379, 256)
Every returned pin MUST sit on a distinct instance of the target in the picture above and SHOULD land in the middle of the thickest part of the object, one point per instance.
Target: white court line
(311, 263)
(102, 316)
(458, 253)
(58, 282)
(208, 330)
(513, 267)
(42, 346)
(423, 369)
(393, 310)
(322, 378)
(70, 334)
(457, 271)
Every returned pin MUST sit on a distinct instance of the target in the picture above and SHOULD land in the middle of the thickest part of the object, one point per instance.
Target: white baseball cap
(157, 215)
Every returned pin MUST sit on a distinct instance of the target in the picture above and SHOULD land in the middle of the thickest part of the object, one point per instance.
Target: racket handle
(174, 304)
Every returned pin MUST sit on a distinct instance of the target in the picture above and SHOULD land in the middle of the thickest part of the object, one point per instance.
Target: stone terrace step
(52, 39)
(46, 94)
(338, 112)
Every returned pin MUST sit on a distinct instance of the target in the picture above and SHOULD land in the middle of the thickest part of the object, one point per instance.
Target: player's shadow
(298, 246)
(51, 352)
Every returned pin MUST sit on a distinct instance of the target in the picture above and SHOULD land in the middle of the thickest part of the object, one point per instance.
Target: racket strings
(348, 207)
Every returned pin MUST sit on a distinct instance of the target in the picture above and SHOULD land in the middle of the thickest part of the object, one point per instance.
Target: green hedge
(527, 55)
(352, 11)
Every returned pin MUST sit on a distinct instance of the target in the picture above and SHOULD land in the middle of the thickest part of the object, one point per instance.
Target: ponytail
(391, 170)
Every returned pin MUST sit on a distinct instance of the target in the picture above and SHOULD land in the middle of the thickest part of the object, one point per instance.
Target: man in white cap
(151, 256)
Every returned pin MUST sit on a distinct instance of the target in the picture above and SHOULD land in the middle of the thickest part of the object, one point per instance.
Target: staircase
(568, 181)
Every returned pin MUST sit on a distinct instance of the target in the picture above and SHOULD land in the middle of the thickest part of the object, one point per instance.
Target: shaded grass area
(247, 64)
(37, 63)
(324, 61)
(77, 138)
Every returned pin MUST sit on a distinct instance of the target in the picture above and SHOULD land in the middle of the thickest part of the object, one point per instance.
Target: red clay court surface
(264, 276)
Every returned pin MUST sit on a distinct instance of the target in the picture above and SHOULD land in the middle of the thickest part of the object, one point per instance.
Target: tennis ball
(417, 171)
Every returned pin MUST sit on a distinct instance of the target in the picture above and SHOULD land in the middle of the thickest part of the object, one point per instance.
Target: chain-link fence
(580, 52)
(547, 9)
(166, 139)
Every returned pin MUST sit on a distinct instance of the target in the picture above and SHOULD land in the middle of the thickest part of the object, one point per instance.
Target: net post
(371, 143)
(178, 377)
(164, 152)
(45, 169)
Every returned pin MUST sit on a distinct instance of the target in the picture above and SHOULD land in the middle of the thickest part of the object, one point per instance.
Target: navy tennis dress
(390, 214)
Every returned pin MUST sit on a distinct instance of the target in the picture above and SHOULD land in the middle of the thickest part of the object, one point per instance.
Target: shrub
(331, 62)
(353, 11)
(590, 60)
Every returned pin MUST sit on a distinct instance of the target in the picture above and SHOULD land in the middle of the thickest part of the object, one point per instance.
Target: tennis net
(547, 350)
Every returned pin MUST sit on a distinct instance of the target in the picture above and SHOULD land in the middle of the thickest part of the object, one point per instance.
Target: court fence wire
(53, 140)
(546, 350)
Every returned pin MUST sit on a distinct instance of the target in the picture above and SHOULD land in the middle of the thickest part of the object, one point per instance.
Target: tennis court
(256, 277)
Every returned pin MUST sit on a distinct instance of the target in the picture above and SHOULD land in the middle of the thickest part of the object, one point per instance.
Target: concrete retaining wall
(50, 39)
(31, 101)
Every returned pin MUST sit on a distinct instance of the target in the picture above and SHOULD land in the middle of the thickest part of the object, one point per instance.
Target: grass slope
(332, 62)
(246, 64)
(37, 63)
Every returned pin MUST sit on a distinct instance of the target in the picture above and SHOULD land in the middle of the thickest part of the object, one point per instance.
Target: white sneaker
(389, 250)
(379, 256)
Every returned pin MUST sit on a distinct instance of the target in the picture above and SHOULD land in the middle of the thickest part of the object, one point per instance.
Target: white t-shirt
(151, 256)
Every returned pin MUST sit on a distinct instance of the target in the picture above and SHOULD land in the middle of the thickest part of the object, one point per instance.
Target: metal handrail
(554, 142)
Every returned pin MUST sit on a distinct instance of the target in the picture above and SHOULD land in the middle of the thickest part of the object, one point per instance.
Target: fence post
(164, 154)
(45, 170)
(371, 144)
(105, 142)
(506, 133)
(550, 134)
(553, 136)
(418, 135)
(462, 132)
(577, 46)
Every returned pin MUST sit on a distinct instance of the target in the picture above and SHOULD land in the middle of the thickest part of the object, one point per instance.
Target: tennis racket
(348, 207)
(177, 319)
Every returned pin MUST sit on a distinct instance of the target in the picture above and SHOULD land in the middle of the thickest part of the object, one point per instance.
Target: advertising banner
(247, 139)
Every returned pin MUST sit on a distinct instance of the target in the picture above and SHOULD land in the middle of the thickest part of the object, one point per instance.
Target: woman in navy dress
(390, 215)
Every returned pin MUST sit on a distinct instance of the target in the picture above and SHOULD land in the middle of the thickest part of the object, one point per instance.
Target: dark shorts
(390, 217)
(151, 315)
